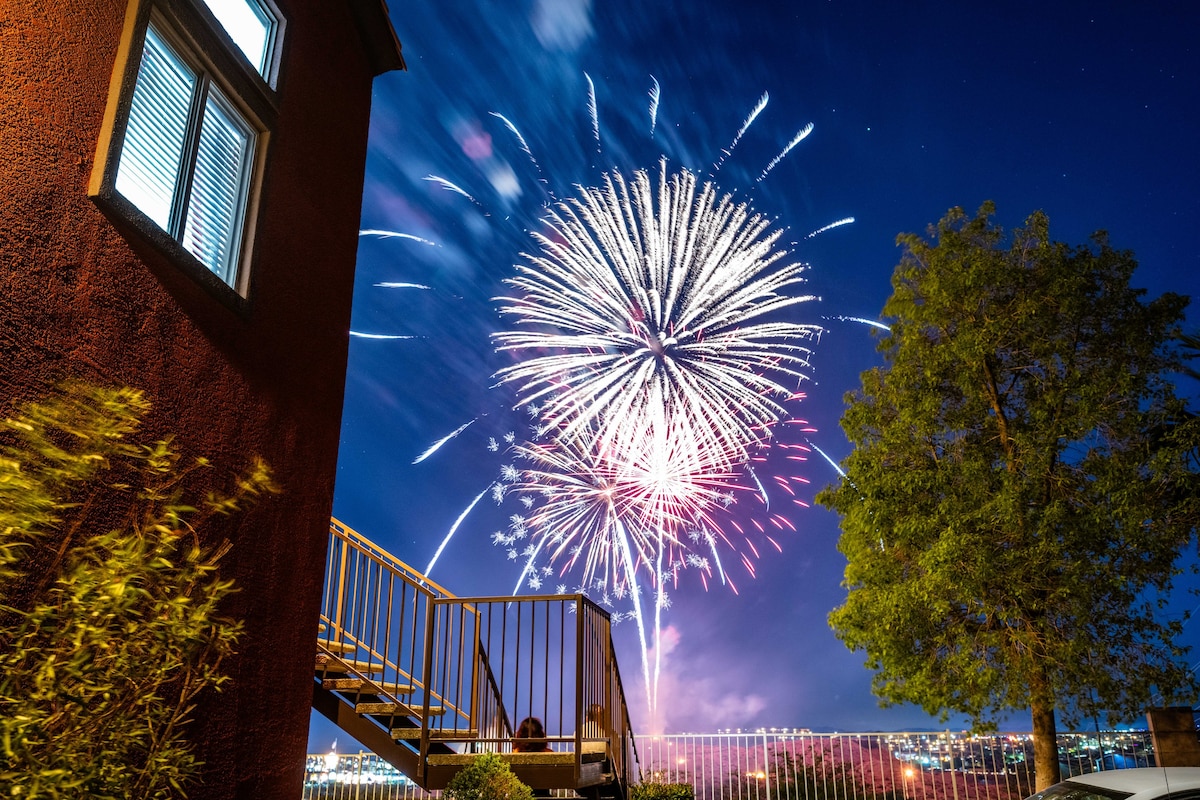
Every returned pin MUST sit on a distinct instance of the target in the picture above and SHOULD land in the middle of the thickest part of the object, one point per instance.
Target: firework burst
(658, 295)
(611, 508)
(614, 508)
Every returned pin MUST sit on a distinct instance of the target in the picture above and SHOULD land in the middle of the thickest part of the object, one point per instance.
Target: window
(250, 25)
(191, 112)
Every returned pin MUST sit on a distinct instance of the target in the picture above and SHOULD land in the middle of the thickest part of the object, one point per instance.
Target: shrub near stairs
(487, 777)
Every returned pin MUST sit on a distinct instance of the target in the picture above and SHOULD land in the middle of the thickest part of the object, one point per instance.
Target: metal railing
(450, 676)
(549, 657)
(374, 611)
(357, 776)
(798, 765)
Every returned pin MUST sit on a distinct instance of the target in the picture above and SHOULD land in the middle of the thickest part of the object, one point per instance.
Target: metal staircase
(428, 680)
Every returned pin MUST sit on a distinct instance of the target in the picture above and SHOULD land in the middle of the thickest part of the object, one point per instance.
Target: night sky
(1086, 110)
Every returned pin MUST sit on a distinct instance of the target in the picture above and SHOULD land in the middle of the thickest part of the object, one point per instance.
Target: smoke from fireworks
(654, 343)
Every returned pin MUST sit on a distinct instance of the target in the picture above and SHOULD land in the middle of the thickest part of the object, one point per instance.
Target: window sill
(143, 234)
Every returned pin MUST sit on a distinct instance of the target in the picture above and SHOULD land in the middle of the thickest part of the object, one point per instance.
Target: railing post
(341, 585)
(766, 766)
(580, 610)
(473, 721)
(427, 675)
(953, 772)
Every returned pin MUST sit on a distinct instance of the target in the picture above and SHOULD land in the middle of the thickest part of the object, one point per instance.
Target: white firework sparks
(758, 109)
(611, 508)
(665, 295)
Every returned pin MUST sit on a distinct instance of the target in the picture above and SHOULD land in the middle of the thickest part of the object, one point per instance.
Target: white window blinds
(186, 158)
(218, 186)
(156, 133)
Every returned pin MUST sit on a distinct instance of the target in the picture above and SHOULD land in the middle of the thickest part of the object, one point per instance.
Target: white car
(1143, 783)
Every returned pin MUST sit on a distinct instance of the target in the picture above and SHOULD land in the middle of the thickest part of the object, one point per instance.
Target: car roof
(1153, 781)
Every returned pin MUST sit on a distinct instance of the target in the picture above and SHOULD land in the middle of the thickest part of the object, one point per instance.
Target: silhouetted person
(531, 738)
(593, 725)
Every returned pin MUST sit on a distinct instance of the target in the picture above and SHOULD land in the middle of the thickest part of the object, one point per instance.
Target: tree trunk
(1045, 745)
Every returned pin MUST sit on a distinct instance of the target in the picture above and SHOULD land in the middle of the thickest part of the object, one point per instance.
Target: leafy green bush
(107, 636)
(662, 791)
(487, 777)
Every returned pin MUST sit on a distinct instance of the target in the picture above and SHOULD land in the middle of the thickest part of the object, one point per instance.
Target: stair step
(513, 759)
(402, 709)
(407, 734)
(363, 686)
(340, 666)
(336, 646)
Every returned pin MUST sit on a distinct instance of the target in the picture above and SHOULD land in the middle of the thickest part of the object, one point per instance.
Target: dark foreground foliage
(106, 646)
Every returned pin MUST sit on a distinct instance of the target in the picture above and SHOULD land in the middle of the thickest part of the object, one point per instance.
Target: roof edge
(374, 24)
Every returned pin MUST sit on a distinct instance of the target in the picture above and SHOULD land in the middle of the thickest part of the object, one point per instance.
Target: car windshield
(1078, 791)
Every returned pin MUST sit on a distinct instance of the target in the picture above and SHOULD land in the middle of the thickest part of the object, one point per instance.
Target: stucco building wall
(77, 300)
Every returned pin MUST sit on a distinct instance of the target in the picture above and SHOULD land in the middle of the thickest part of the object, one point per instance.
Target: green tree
(1190, 343)
(487, 777)
(109, 619)
(1018, 497)
(1187, 432)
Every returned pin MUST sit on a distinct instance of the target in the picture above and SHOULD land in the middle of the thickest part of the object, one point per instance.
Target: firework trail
(450, 534)
(453, 187)
(829, 460)
(651, 694)
(654, 97)
(873, 323)
(396, 235)
(839, 223)
(433, 448)
(727, 152)
(762, 490)
(524, 145)
(400, 285)
(515, 132)
(799, 137)
(842, 473)
(382, 336)
(592, 111)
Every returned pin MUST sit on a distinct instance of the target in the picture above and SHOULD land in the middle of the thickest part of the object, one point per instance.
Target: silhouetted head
(531, 728)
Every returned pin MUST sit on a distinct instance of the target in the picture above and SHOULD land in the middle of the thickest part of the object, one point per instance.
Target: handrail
(341, 529)
(628, 744)
(372, 615)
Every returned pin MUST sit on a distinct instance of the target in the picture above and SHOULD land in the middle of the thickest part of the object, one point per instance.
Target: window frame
(189, 28)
